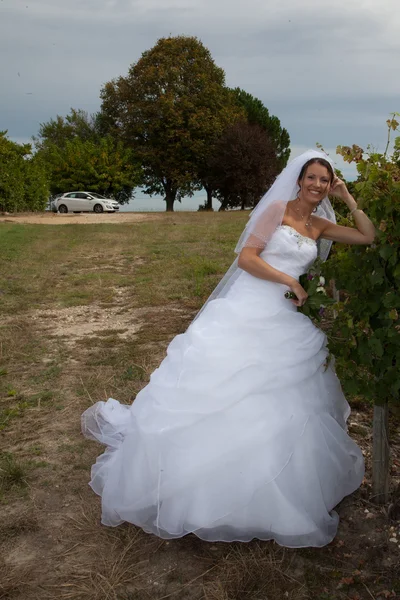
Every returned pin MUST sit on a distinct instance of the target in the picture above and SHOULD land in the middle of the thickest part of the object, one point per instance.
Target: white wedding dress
(241, 432)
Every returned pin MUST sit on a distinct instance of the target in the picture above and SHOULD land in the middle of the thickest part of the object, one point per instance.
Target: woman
(241, 432)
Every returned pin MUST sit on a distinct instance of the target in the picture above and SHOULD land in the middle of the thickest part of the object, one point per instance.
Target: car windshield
(97, 195)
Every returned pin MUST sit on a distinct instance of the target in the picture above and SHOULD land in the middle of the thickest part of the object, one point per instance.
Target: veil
(268, 215)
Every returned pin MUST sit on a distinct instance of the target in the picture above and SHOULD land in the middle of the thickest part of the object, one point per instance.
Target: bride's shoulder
(277, 208)
(277, 205)
(272, 213)
(320, 224)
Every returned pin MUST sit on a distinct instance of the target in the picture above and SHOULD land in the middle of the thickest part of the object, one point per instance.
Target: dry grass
(120, 566)
(15, 582)
(88, 312)
(255, 571)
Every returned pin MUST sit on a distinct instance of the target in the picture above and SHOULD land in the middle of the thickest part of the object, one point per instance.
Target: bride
(241, 431)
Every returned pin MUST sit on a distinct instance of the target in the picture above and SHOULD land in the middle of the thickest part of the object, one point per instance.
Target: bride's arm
(363, 233)
(250, 261)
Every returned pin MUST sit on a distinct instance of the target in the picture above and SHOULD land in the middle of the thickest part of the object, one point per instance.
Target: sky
(328, 70)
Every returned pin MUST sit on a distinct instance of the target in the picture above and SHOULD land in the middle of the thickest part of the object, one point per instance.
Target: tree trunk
(380, 454)
(245, 202)
(170, 195)
(224, 205)
(170, 203)
(209, 205)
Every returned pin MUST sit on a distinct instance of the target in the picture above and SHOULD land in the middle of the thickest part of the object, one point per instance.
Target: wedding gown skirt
(241, 432)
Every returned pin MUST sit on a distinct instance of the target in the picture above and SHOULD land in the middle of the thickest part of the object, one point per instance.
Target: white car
(85, 202)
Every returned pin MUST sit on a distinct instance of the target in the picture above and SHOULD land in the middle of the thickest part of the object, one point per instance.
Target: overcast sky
(328, 70)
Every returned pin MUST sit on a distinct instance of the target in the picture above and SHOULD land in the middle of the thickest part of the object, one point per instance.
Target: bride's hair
(319, 161)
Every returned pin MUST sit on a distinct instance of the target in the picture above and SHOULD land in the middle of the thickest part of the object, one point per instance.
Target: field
(87, 311)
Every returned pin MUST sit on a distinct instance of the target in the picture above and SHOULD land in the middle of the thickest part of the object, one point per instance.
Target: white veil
(268, 215)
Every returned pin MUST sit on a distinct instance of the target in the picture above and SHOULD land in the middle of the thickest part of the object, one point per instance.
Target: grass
(13, 473)
(14, 405)
(87, 314)
(43, 266)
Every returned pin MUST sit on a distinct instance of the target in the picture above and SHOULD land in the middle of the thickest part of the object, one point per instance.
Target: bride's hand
(300, 293)
(339, 189)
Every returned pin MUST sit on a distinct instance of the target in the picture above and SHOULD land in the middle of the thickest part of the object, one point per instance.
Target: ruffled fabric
(241, 431)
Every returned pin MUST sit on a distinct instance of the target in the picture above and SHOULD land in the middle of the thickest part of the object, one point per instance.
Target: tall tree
(243, 165)
(226, 117)
(258, 114)
(169, 108)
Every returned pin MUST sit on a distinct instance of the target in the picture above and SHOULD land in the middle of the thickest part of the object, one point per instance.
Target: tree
(105, 166)
(23, 179)
(365, 335)
(227, 116)
(169, 109)
(242, 166)
(258, 114)
(57, 132)
(78, 155)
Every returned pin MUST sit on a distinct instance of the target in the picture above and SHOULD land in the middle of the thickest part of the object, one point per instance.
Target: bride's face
(315, 184)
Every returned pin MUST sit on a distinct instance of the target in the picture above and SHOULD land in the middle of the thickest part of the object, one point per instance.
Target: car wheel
(62, 208)
(97, 208)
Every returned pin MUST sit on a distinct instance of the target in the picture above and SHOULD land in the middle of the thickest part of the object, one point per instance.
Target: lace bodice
(289, 251)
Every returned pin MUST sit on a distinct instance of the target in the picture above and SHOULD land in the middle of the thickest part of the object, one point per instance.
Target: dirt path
(49, 218)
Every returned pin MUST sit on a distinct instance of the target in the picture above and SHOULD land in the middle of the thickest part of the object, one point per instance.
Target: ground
(50, 218)
(88, 310)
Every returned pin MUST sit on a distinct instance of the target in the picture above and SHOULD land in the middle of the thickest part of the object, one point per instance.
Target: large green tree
(258, 114)
(169, 109)
(23, 179)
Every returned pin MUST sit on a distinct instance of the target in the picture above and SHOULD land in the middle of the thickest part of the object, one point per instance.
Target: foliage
(206, 148)
(365, 336)
(23, 180)
(57, 132)
(169, 109)
(78, 155)
(36, 184)
(242, 166)
(105, 166)
(258, 114)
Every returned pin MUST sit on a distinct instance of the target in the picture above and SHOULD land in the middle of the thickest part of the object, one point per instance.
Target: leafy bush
(365, 336)
(23, 179)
